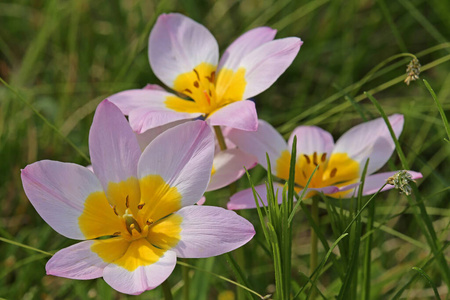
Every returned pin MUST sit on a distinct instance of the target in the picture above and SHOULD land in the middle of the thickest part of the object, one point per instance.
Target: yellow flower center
(207, 91)
(338, 170)
(134, 220)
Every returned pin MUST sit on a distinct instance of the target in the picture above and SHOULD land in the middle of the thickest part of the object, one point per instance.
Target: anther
(196, 84)
(115, 211)
(333, 172)
(140, 206)
(127, 202)
(196, 73)
(304, 174)
(324, 157)
(116, 233)
(308, 161)
(315, 158)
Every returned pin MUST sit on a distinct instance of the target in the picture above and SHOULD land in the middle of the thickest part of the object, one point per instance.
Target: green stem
(314, 242)
(367, 251)
(166, 290)
(185, 274)
(220, 138)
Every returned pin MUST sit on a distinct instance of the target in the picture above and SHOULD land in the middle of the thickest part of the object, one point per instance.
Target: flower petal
(148, 136)
(240, 115)
(266, 63)
(265, 139)
(243, 45)
(177, 45)
(58, 192)
(113, 146)
(141, 279)
(374, 182)
(370, 140)
(76, 262)
(183, 157)
(148, 108)
(312, 139)
(244, 199)
(229, 166)
(210, 231)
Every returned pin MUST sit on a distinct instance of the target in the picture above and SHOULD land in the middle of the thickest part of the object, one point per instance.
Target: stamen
(333, 172)
(196, 84)
(140, 206)
(115, 211)
(212, 77)
(207, 97)
(127, 203)
(308, 161)
(315, 158)
(324, 157)
(196, 73)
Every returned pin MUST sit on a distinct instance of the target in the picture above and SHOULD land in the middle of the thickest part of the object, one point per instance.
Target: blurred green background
(64, 57)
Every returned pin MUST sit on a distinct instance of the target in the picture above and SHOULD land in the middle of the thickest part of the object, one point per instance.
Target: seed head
(401, 181)
(412, 71)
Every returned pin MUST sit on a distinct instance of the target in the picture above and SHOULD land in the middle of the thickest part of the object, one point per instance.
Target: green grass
(61, 58)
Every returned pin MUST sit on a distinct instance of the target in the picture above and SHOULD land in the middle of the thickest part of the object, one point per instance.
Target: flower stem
(185, 274)
(314, 241)
(220, 138)
(166, 290)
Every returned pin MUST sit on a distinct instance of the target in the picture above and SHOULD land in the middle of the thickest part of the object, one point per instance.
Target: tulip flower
(135, 211)
(184, 55)
(340, 165)
(228, 165)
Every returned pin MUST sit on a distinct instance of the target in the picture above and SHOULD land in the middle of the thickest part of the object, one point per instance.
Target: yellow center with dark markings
(133, 222)
(337, 170)
(207, 91)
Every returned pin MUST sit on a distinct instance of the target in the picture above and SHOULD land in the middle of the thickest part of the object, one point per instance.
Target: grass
(59, 59)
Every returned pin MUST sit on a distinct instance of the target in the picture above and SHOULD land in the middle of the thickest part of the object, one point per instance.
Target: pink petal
(76, 262)
(113, 146)
(312, 139)
(266, 63)
(58, 191)
(229, 167)
(243, 45)
(265, 139)
(210, 231)
(370, 140)
(183, 157)
(177, 45)
(155, 87)
(146, 137)
(146, 108)
(141, 279)
(142, 120)
(240, 115)
(374, 182)
(201, 201)
(244, 199)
